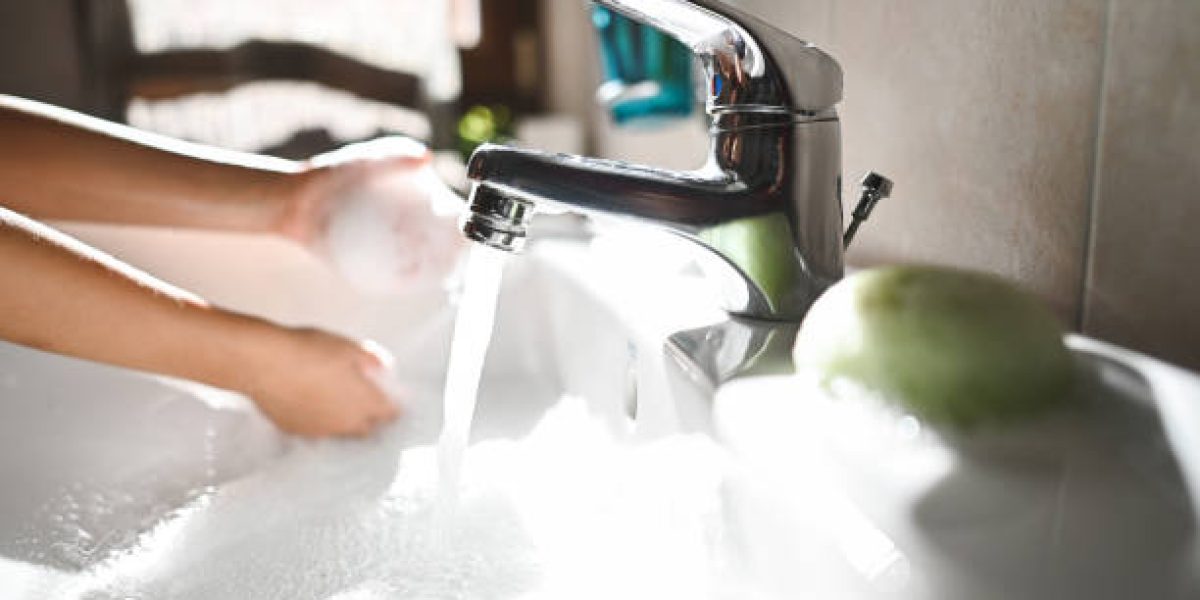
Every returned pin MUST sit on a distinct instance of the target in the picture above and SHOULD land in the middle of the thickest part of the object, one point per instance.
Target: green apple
(952, 347)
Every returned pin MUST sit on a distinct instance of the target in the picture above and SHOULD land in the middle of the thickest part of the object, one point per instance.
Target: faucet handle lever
(751, 65)
(875, 187)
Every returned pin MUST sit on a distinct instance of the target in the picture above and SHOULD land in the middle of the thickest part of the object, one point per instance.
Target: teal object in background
(648, 75)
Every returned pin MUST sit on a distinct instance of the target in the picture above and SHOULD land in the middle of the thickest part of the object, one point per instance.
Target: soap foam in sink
(568, 512)
(327, 522)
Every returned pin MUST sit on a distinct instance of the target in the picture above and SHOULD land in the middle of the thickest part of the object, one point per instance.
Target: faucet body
(765, 208)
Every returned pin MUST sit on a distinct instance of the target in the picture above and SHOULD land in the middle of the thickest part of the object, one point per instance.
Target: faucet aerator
(497, 220)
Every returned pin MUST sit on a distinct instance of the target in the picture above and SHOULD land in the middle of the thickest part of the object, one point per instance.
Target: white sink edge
(1175, 392)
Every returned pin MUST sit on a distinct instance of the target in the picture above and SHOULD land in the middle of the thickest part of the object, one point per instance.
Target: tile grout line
(1092, 212)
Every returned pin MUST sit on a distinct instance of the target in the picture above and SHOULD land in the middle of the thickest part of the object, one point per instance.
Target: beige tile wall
(1144, 285)
(1056, 143)
(984, 113)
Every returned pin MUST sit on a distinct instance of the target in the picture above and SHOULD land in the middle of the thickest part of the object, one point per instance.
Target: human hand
(378, 213)
(317, 384)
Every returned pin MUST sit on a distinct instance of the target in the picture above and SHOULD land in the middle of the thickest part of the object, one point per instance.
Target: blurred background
(1050, 142)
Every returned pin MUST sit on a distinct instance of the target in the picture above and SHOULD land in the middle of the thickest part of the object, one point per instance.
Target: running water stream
(472, 334)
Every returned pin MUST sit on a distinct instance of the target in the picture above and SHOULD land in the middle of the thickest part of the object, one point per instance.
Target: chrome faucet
(766, 207)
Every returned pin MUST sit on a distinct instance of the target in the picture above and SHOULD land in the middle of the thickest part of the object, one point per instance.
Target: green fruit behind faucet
(953, 347)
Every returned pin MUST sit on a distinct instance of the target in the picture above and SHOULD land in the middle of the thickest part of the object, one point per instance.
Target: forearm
(60, 296)
(57, 164)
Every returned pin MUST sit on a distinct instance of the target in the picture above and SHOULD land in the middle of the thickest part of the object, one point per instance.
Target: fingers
(376, 358)
(376, 399)
(358, 408)
(382, 416)
(330, 386)
(393, 149)
(379, 408)
(370, 409)
(355, 417)
(410, 162)
(395, 146)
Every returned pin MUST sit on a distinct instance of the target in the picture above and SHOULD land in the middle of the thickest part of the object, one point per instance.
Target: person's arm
(61, 296)
(61, 165)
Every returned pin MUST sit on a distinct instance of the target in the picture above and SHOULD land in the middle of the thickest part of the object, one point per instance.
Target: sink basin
(1092, 502)
(122, 484)
(125, 484)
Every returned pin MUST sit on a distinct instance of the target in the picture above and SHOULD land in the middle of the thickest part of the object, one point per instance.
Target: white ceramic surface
(1091, 502)
(120, 484)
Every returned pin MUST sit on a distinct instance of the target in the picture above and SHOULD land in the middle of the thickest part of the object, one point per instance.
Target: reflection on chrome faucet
(765, 208)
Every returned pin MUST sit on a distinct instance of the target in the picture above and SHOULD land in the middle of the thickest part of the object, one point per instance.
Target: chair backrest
(117, 72)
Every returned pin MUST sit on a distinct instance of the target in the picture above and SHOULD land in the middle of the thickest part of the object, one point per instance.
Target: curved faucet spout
(765, 208)
(687, 202)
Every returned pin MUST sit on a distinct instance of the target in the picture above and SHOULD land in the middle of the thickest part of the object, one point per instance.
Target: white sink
(119, 484)
(1091, 503)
